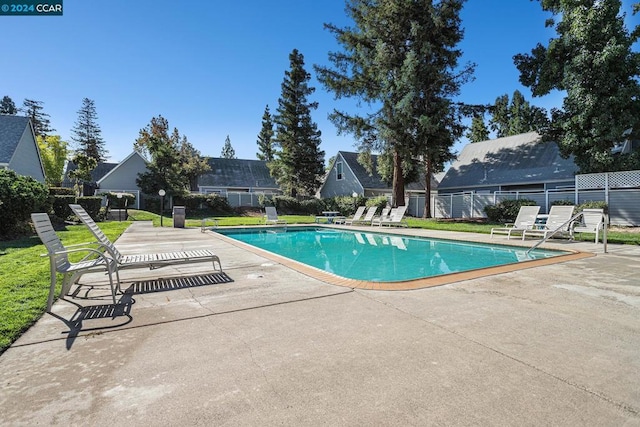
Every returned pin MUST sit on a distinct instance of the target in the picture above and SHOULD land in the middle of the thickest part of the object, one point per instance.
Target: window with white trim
(339, 174)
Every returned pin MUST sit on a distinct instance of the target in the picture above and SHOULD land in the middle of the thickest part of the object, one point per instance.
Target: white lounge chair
(396, 217)
(559, 219)
(153, 260)
(271, 216)
(383, 215)
(592, 222)
(525, 220)
(94, 261)
(356, 216)
(368, 218)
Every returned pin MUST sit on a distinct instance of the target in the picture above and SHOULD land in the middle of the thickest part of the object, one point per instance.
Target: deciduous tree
(53, 151)
(593, 60)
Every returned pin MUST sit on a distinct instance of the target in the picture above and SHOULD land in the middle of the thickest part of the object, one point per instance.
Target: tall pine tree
(299, 164)
(86, 132)
(7, 106)
(227, 150)
(401, 56)
(594, 61)
(39, 119)
(478, 131)
(517, 117)
(265, 137)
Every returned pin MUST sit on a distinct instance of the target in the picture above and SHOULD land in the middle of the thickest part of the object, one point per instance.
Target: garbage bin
(178, 216)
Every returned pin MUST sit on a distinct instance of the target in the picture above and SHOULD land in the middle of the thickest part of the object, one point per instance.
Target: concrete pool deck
(262, 344)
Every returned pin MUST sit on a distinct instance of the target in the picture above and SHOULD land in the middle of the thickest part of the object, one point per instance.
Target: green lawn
(24, 274)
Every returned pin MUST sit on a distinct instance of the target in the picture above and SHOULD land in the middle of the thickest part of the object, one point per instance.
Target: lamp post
(354, 195)
(120, 207)
(161, 193)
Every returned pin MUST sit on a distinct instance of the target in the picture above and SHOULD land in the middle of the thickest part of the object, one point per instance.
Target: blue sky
(210, 67)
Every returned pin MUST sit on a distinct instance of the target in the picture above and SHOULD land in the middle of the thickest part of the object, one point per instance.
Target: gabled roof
(373, 180)
(237, 173)
(101, 170)
(513, 160)
(111, 168)
(11, 130)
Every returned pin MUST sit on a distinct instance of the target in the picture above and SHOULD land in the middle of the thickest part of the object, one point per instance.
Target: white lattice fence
(625, 179)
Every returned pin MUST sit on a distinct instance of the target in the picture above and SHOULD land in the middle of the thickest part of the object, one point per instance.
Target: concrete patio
(263, 344)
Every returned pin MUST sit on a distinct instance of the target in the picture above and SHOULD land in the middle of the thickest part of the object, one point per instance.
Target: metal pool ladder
(564, 224)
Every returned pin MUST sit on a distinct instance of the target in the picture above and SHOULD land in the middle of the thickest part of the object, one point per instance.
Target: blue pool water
(380, 257)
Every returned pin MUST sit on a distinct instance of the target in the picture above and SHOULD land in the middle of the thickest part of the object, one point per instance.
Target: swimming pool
(379, 257)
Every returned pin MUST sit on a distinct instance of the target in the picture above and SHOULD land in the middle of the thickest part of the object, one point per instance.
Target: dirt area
(625, 229)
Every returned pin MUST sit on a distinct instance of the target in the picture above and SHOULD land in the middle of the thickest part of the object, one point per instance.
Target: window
(339, 174)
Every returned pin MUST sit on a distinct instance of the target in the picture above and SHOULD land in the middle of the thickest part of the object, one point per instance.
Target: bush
(590, 204)
(313, 206)
(507, 210)
(115, 202)
(287, 205)
(20, 196)
(562, 203)
(381, 202)
(218, 204)
(61, 191)
(61, 207)
(91, 204)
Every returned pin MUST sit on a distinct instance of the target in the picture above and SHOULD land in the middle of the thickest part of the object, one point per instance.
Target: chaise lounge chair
(558, 223)
(368, 218)
(525, 220)
(152, 261)
(592, 222)
(396, 217)
(271, 216)
(71, 271)
(356, 216)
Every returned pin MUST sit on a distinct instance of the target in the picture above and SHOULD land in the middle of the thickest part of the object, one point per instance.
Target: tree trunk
(427, 189)
(398, 181)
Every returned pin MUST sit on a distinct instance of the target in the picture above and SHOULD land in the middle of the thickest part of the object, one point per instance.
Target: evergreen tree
(401, 56)
(517, 117)
(265, 137)
(53, 151)
(192, 163)
(299, 165)
(593, 61)
(86, 132)
(39, 119)
(7, 106)
(227, 150)
(478, 131)
(164, 170)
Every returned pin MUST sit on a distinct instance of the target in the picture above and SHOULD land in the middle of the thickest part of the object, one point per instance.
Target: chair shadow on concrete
(174, 283)
(106, 317)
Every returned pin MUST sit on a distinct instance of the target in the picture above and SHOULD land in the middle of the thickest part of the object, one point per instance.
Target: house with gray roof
(18, 147)
(237, 175)
(347, 176)
(515, 163)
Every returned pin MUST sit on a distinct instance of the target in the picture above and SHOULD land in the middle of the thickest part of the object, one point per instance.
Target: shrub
(313, 206)
(61, 207)
(506, 210)
(91, 204)
(218, 204)
(590, 204)
(381, 202)
(20, 196)
(115, 202)
(61, 191)
(562, 203)
(286, 204)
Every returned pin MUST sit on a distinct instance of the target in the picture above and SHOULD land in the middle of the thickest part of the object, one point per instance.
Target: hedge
(20, 196)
